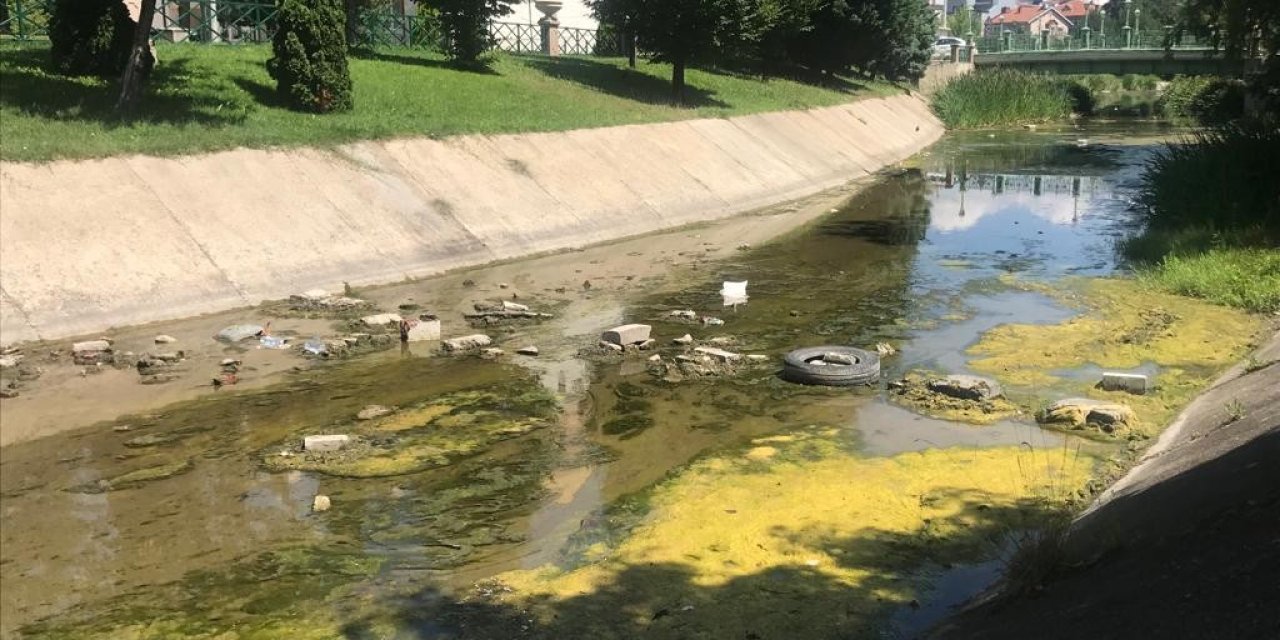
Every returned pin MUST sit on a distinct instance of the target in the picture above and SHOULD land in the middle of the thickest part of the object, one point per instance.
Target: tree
(1243, 28)
(889, 38)
(310, 63)
(678, 31)
(964, 22)
(906, 41)
(138, 67)
(90, 37)
(465, 25)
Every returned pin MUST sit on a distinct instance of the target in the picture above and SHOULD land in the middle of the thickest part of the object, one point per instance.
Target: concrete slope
(1187, 545)
(85, 245)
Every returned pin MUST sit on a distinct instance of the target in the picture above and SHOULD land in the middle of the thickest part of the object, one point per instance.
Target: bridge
(1155, 53)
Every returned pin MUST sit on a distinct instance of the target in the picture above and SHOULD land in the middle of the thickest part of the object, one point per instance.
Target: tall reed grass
(1005, 97)
(1224, 178)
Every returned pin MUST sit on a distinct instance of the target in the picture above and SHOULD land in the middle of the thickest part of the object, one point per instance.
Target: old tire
(805, 366)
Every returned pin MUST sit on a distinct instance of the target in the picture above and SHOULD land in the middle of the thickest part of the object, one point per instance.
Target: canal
(583, 494)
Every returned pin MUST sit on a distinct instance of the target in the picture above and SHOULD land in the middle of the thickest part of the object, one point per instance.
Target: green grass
(1237, 277)
(1001, 98)
(207, 97)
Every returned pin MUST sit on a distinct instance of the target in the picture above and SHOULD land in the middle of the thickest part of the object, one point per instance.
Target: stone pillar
(550, 25)
(955, 53)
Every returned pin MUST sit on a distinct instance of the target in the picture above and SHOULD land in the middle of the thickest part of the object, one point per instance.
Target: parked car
(942, 46)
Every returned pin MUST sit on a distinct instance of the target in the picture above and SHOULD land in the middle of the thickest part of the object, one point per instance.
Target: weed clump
(1008, 97)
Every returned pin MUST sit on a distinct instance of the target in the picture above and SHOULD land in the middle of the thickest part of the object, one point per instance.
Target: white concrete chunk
(381, 319)
(839, 358)
(627, 334)
(91, 345)
(718, 354)
(508, 305)
(466, 343)
(1131, 382)
(325, 443)
(424, 330)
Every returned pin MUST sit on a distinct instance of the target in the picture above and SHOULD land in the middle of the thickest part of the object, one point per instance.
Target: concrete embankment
(85, 245)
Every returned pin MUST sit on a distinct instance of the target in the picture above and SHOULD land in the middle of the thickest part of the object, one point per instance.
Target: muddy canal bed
(578, 494)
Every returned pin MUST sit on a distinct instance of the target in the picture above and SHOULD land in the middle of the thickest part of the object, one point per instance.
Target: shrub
(465, 26)
(310, 63)
(1203, 99)
(983, 99)
(90, 37)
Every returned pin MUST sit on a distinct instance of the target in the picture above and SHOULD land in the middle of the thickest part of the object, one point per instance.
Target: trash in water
(734, 293)
(273, 342)
(315, 346)
(238, 332)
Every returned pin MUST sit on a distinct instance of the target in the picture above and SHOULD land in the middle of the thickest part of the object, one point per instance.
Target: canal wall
(90, 244)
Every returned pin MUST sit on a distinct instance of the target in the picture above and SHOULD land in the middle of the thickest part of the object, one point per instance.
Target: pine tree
(310, 63)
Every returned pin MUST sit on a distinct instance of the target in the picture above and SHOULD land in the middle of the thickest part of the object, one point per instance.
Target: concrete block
(423, 330)
(1131, 382)
(325, 443)
(627, 334)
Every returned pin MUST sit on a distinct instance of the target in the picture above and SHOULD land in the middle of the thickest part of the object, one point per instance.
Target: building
(1029, 18)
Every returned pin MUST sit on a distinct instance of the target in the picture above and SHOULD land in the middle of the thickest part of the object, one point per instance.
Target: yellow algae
(1123, 325)
(410, 419)
(729, 550)
(761, 453)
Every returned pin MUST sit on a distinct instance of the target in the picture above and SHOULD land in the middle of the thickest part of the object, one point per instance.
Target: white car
(942, 46)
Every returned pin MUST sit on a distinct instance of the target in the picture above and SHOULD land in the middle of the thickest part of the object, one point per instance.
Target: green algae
(431, 434)
(137, 477)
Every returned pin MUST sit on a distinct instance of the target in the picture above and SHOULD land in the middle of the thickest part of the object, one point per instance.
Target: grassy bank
(212, 97)
(1212, 208)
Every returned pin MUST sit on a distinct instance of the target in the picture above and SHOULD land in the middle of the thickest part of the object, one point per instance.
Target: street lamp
(1137, 31)
(1128, 31)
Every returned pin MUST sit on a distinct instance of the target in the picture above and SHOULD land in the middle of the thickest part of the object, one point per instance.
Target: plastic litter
(315, 346)
(273, 342)
(734, 293)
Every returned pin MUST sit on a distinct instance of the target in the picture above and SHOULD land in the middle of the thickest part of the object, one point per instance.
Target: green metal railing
(1084, 41)
(250, 21)
(23, 20)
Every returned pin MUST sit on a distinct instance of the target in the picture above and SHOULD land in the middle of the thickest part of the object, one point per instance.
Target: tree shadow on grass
(29, 87)
(623, 83)
(479, 68)
(800, 600)
(745, 70)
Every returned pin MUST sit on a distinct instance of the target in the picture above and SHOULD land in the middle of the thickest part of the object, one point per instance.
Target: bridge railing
(1025, 42)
